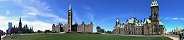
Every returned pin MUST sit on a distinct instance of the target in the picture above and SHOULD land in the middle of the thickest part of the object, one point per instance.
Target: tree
(98, 29)
(109, 32)
(47, 31)
(102, 30)
(182, 30)
(2, 33)
(39, 31)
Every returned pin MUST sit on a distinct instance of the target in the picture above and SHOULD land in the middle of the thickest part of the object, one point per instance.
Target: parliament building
(72, 28)
(150, 26)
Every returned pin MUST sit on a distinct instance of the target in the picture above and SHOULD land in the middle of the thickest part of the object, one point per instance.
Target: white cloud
(34, 14)
(37, 25)
(182, 18)
(176, 18)
(54, 17)
(35, 8)
(32, 9)
(2, 18)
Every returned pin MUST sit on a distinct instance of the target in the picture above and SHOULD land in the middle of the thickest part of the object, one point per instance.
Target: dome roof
(154, 3)
(147, 21)
(132, 20)
(117, 20)
(122, 26)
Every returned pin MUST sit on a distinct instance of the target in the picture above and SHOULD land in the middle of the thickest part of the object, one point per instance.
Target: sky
(41, 14)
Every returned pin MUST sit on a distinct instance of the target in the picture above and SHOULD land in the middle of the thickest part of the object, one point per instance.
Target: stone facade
(150, 26)
(85, 28)
(139, 28)
(79, 28)
(72, 28)
(19, 29)
(59, 28)
(176, 31)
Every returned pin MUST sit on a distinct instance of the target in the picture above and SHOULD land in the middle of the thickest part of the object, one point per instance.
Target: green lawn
(77, 36)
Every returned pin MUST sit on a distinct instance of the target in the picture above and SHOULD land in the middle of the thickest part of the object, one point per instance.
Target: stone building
(150, 26)
(59, 28)
(75, 28)
(85, 28)
(19, 29)
(176, 31)
(72, 28)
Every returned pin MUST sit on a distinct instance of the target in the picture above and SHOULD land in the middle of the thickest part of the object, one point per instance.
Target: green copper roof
(122, 26)
(140, 24)
(132, 20)
(117, 20)
(160, 23)
(147, 21)
(154, 3)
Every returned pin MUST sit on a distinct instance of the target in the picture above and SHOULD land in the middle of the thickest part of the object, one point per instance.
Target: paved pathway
(2, 37)
(174, 37)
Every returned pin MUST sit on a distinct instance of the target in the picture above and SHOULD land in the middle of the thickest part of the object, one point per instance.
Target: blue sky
(41, 14)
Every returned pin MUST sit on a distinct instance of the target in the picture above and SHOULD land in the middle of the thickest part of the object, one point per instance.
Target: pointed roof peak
(20, 19)
(154, 3)
(70, 6)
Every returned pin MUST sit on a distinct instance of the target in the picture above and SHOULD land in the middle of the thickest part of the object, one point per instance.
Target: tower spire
(20, 23)
(70, 17)
(154, 3)
(20, 19)
(70, 6)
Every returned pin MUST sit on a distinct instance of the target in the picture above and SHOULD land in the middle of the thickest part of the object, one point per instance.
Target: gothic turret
(20, 24)
(117, 22)
(154, 11)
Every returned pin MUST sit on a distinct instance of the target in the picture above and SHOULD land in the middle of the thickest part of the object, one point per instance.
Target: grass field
(77, 36)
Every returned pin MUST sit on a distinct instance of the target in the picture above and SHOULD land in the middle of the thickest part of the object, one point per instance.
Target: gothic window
(155, 14)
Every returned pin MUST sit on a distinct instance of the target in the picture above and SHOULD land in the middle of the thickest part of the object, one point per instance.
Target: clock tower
(69, 18)
(155, 18)
(154, 11)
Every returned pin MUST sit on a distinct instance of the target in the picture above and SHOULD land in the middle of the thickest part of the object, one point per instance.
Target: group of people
(181, 36)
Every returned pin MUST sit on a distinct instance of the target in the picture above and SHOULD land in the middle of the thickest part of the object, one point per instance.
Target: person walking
(181, 36)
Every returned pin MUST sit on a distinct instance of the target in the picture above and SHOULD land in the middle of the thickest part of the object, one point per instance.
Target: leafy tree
(39, 31)
(47, 31)
(2, 33)
(98, 29)
(109, 32)
(102, 30)
(182, 30)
